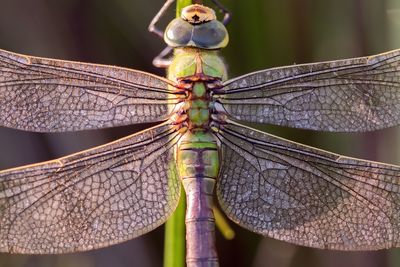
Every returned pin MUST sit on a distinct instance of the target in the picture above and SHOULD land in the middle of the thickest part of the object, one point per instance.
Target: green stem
(180, 4)
(174, 244)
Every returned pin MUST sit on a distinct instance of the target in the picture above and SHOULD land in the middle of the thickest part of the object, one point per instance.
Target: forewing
(48, 95)
(95, 198)
(359, 94)
(307, 196)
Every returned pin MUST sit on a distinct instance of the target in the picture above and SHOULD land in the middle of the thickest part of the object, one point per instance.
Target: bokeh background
(264, 33)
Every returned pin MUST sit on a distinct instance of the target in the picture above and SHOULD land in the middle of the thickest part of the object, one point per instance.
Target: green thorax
(196, 66)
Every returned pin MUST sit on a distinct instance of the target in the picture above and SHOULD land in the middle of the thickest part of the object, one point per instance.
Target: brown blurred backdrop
(264, 33)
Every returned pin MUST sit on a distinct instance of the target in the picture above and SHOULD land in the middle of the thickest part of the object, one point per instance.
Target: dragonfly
(264, 183)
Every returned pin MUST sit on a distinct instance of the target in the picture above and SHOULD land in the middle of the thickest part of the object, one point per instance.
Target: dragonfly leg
(163, 60)
(152, 26)
(222, 9)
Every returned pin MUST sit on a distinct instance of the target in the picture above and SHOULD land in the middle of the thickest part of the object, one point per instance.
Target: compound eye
(210, 35)
(178, 33)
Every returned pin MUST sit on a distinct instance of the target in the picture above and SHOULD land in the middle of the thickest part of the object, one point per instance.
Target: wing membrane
(91, 199)
(48, 95)
(359, 94)
(307, 196)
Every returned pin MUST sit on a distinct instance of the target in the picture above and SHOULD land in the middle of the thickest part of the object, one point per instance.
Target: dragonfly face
(266, 184)
(197, 27)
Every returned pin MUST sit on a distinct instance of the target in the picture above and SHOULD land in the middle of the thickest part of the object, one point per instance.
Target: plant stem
(174, 244)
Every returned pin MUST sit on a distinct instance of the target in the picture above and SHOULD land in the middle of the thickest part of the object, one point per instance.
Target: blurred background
(263, 33)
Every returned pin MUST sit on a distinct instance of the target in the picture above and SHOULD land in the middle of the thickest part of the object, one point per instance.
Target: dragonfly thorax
(196, 108)
(197, 73)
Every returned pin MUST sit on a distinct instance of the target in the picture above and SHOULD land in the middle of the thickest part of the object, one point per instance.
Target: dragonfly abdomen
(198, 165)
(200, 222)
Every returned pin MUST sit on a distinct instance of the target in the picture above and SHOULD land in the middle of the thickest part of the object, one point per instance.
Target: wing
(352, 95)
(95, 198)
(307, 196)
(48, 95)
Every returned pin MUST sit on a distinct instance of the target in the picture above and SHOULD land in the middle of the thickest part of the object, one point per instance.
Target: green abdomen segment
(198, 166)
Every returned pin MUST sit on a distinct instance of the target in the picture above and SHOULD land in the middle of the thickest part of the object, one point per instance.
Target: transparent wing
(95, 198)
(307, 196)
(359, 94)
(48, 95)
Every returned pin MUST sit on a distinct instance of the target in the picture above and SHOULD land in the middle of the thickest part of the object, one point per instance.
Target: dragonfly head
(197, 27)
